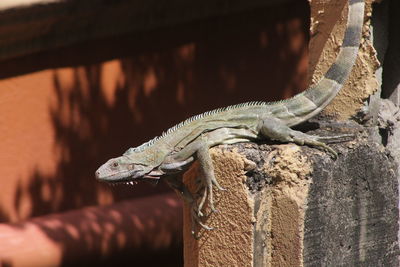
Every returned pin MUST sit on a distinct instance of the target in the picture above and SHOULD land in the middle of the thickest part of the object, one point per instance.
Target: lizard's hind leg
(199, 148)
(277, 130)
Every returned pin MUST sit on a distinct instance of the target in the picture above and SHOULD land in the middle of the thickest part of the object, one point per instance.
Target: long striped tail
(310, 102)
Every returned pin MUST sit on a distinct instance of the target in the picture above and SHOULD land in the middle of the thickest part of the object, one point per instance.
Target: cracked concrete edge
(281, 208)
(252, 229)
(326, 37)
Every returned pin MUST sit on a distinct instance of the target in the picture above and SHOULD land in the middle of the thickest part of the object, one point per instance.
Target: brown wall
(65, 112)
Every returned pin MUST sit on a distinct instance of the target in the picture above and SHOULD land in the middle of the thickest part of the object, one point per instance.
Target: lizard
(170, 154)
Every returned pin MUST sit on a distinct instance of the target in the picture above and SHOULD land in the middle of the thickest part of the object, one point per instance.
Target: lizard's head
(126, 170)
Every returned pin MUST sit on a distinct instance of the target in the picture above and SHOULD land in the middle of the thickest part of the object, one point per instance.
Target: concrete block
(286, 205)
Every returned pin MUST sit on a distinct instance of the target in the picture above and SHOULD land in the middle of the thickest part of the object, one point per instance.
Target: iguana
(177, 148)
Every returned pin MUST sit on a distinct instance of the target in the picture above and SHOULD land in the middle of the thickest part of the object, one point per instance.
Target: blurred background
(83, 82)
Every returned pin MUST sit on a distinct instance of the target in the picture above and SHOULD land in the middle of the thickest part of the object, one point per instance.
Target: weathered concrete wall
(353, 210)
(299, 207)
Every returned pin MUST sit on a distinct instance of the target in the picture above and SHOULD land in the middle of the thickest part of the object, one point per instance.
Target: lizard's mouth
(114, 178)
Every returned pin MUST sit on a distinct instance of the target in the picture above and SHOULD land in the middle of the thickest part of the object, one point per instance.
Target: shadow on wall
(157, 80)
(151, 82)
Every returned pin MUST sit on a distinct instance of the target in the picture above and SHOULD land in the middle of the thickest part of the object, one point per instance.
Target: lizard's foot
(336, 138)
(206, 186)
(201, 188)
(301, 138)
(196, 220)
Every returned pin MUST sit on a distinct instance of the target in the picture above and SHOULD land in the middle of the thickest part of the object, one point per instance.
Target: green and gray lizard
(175, 150)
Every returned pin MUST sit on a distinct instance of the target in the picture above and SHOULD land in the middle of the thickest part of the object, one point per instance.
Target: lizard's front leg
(198, 149)
(206, 175)
(277, 130)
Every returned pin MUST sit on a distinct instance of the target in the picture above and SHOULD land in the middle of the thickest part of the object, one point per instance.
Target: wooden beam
(98, 235)
(36, 25)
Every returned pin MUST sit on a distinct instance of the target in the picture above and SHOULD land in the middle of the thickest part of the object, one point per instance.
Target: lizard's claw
(197, 221)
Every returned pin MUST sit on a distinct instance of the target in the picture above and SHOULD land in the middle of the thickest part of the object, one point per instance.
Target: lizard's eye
(115, 164)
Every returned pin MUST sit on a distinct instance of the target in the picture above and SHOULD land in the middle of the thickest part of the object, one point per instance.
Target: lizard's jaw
(129, 176)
